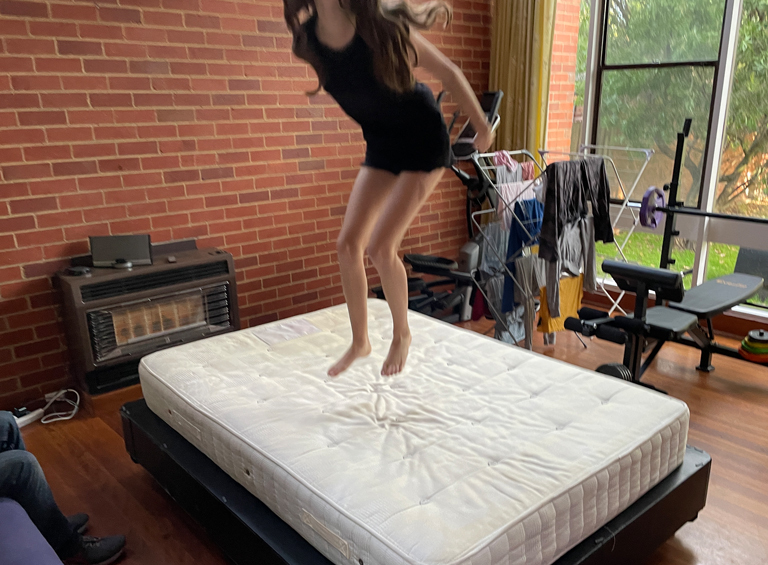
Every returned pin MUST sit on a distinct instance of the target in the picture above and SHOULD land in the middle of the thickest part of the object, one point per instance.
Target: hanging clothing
(493, 247)
(525, 229)
(508, 194)
(571, 293)
(494, 288)
(530, 275)
(507, 169)
(529, 170)
(571, 186)
(516, 322)
(576, 249)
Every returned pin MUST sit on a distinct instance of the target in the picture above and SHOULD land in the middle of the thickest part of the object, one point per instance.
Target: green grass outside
(645, 249)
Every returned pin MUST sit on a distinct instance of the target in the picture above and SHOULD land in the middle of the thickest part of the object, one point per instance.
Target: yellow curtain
(521, 53)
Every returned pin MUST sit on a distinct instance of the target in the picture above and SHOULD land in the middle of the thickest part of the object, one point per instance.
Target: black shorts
(418, 151)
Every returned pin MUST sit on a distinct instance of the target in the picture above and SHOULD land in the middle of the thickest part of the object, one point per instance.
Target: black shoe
(100, 551)
(79, 522)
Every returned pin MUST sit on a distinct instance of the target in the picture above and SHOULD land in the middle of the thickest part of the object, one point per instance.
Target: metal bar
(659, 65)
(651, 356)
(512, 153)
(696, 212)
(669, 225)
(648, 152)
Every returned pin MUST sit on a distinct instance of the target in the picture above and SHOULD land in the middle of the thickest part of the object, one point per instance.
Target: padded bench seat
(718, 295)
(674, 321)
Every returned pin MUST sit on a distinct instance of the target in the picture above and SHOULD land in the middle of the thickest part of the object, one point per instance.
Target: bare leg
(405, 201)
(365, 203)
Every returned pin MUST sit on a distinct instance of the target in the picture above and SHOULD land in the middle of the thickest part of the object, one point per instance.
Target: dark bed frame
(249, 533)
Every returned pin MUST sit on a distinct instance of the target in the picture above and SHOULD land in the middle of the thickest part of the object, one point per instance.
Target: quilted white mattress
(479, 453)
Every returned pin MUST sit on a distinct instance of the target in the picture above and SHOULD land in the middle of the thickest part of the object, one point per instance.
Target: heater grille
(141, 327)
(139, 283)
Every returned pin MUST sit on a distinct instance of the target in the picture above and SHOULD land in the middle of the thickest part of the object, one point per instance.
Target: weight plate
(758, 336)
(653, 198)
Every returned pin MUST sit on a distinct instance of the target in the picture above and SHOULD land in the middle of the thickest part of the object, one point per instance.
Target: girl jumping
(364, 53)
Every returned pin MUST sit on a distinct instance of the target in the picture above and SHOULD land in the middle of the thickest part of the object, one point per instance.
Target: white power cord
(59, 416)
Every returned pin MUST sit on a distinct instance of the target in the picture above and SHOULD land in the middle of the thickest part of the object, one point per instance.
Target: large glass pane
(725, 259)
(645, 249)
(580, 75)
(645, 108)
(743, 186)
(663, 31)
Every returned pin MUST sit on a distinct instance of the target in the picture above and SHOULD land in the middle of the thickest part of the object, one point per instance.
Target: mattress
(479, 453)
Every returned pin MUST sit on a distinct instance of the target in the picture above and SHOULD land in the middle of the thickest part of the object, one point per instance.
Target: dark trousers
(22, 480)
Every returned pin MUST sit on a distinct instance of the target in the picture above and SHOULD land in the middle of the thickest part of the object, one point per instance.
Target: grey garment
(493, 245)
(530, 273)
(494, 289)
(516, 322)
(576, 249)
(505, 175)
(572, 189)
(549, 339)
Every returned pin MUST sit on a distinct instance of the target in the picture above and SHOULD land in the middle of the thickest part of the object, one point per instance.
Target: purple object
(650, 216)
(21, 543)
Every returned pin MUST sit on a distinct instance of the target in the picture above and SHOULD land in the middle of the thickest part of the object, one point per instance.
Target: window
(648, 65)
(580, 74)
(724, 259)
(657, 66)
(742, 187)
(644, 248)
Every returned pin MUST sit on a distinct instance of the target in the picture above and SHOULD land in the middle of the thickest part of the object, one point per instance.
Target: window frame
(734, 230)
(602, 67)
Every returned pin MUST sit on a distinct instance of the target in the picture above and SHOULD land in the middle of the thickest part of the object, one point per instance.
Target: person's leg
(22, 480)
(365, 203)
(406, 199)
(10, 436)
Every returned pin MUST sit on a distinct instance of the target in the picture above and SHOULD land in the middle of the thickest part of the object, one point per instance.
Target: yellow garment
(571, 293)
(521, 55)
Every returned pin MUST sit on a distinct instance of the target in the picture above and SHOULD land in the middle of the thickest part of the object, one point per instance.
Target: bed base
(249, 533)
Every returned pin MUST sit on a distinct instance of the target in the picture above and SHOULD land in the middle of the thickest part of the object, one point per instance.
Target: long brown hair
(385, 29)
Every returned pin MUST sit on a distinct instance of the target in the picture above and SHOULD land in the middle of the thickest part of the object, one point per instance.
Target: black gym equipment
(679, 320)
(687, 316)
(249, 533)
(449, 298)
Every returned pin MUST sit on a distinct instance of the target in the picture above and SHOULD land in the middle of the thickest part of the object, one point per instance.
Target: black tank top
(408, 127)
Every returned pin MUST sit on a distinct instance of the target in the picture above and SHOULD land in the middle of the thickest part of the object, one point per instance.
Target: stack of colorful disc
(754, 347)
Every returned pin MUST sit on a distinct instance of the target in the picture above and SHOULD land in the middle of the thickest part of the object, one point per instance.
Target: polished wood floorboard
(89, 470)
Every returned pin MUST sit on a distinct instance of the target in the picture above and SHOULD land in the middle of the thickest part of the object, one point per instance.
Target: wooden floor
(89, 470)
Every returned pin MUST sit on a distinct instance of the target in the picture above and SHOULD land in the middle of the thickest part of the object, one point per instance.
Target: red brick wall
(561, 83)
(178, 118)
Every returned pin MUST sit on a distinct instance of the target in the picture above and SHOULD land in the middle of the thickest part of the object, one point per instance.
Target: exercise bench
(685, 318)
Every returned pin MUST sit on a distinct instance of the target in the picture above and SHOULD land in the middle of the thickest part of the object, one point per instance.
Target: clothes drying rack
(481, 219)
(626, 212)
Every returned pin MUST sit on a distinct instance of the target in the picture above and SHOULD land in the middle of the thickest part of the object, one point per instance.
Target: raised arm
(442, 68)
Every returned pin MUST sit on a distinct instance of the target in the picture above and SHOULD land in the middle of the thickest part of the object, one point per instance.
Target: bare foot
(398, 353)
(354, 352)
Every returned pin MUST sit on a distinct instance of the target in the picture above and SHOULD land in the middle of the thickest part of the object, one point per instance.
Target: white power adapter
(50, 398)
(33, 416)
